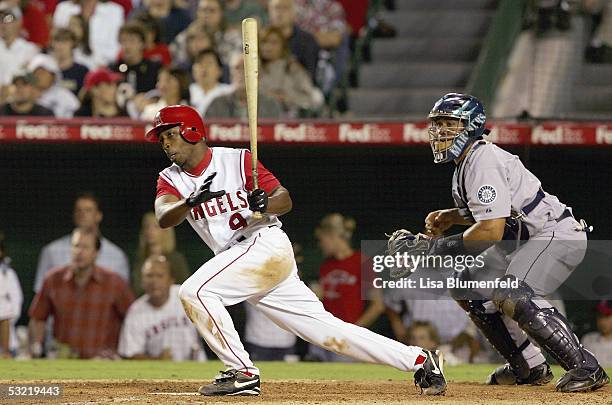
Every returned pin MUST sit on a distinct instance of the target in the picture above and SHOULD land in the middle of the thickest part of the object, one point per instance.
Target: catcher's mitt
(403, 241)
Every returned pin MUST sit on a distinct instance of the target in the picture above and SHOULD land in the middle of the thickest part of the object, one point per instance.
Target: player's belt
(242, 238)
(534, 203)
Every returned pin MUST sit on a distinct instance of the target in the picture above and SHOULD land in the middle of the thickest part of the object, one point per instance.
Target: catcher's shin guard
(546, 326)
(493, 328)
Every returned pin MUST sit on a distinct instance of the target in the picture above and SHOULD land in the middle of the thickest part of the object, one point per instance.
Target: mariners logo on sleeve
(487, 194)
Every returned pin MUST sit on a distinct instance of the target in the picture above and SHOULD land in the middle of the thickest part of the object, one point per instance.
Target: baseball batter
(213, 189)
(499, 199)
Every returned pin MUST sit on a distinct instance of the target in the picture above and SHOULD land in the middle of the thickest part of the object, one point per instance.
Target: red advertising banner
(307, 132)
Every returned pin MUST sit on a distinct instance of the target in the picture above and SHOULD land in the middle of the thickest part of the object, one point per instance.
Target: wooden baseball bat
(251, 72)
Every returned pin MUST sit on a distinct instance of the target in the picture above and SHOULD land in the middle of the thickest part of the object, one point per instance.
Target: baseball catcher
(500, 200)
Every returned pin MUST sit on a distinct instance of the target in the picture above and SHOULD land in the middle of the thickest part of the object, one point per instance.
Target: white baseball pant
(262, 271)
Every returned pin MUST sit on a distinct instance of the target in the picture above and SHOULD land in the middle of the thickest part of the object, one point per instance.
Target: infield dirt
(313, 392)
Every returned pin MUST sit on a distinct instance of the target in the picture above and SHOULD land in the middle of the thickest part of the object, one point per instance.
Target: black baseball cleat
(505, 375)
(232, 382)
(430, 379)
(580, 379)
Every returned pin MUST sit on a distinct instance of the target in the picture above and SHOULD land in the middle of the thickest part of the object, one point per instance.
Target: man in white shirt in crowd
(11, 299)
(15, 52)
(47, 75)
(600, 342)
(156, 326)
(87, 214)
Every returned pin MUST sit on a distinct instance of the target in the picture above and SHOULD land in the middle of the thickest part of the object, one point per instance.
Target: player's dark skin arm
(171, 211)
(279, 201)
(439, 221)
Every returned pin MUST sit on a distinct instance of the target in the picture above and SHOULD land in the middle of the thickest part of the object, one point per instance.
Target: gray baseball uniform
(491, 183)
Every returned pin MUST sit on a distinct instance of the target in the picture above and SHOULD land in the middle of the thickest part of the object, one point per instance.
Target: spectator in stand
(173, 88)
(155, 49)
(325, 20)
(156, 241)
(423, 334)
(100, 98)
(15, 52)
(82, 51)
(156, 325)
(21, 100)
(210, 16)
(237, 10)
(172, 18)
(340, 279)
(87, 215)
(198, 40)
(139, 72)
(600, 46)
(207, 71)
(87, 302)
(11, 299)
(35, 24)
(283, 78)
(600, 342)
(104, 19)
(47, 75)
(63, 43)
(233, 105)
(303, 44)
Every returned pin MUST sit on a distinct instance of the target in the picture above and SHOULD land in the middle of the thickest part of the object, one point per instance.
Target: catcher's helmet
(191, 125)
(466, 109)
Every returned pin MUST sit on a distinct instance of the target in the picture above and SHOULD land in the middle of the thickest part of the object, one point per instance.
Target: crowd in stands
(97, 58)
(88, 304)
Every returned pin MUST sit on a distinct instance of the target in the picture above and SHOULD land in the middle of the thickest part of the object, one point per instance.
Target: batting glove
(258, 200)
(203, 193)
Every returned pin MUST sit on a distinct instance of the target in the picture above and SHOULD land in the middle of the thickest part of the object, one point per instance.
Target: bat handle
(257, 215)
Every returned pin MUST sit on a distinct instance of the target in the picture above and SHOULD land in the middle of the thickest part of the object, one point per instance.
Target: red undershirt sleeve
(266, 179)
(164, 188)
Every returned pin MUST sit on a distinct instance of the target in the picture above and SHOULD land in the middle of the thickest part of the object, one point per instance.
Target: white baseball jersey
(491, 183)
(221, 221)
(150, 330)
(11, 299)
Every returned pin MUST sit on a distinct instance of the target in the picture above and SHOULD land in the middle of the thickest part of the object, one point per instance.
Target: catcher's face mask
(442, 133)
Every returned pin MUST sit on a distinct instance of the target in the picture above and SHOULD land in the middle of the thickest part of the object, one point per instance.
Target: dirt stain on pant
(210, 325)
(274, 271)
(191, 313)
(335, 345)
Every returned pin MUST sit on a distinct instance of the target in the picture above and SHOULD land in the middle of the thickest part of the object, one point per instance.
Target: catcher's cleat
(232, 382)
(580, 379)
(430, 379)
(505, 375)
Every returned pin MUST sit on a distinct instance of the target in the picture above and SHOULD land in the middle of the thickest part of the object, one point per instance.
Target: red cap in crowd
(604, 307)
(101, 75)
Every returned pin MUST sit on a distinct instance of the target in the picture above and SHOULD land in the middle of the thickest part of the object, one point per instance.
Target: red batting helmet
(191, 125)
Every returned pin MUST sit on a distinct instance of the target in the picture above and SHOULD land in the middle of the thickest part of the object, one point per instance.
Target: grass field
(158, 382)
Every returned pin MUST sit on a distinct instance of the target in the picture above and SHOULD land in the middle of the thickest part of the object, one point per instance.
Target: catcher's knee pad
(493, 328)
(510, 300)
(546, 326)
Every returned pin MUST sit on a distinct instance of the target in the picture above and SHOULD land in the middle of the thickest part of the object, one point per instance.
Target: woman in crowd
(284, 78)
(209, 15)
(207, 71)
(82, 51)
(152, 241)
(172, 88)
(155, 49)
